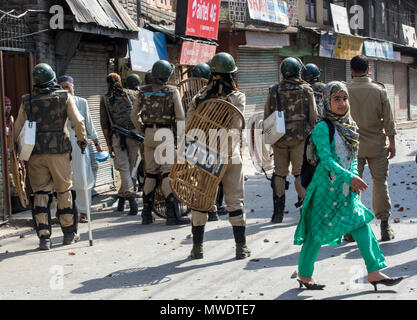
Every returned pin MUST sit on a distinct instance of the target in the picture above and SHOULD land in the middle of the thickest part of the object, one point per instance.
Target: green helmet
(223, 63)
(291, 67)
(148, 77)
(42, 73)
(133, 81)
(311, 72)
(201, 70)
(162, 69)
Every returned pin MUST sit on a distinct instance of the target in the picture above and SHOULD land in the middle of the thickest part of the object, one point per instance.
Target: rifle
(127, 133)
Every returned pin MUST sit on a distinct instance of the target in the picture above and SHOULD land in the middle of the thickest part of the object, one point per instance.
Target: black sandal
(311, 286)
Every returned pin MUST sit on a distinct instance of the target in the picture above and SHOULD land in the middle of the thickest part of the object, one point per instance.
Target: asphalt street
(151, 262)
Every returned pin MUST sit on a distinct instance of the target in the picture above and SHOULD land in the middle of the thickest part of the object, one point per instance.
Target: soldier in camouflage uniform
(115, 108)
(158, 106)
(50, 163)
(299, 106)
(222, 85)
(311, 74)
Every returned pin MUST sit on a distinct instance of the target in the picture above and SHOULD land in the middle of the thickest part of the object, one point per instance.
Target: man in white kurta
(67, 83)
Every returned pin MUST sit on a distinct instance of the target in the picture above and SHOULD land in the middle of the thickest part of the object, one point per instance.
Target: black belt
(158, 125)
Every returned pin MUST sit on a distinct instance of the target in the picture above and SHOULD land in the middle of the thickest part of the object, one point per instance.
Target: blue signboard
(376, 49)
(149, 48)
(327, 45)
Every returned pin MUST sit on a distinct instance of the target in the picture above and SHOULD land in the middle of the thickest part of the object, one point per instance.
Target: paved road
(132, 261)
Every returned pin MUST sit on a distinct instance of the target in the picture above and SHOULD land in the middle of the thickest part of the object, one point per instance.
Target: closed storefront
(89, 70)
(412, 75)
(401, 91)
(385, 75)
(258, 71)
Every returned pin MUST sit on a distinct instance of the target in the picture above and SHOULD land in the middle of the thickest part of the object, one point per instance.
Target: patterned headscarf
(115, 87)
(217, 86)
(345, 125)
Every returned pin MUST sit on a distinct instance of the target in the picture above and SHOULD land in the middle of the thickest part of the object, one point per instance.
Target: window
(373, 20)
(326, 12)
(342, 3)
(311, 10)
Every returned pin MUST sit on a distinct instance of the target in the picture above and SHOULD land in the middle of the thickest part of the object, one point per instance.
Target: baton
(87, 205)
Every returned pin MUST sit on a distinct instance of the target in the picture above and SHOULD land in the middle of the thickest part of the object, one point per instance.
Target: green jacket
(331, 209)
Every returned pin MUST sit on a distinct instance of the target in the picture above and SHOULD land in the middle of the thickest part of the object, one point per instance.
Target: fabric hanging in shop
(147, 49)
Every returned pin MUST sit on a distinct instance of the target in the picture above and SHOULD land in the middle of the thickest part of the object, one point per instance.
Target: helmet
(133, 81)
(311, 72)
(162, 69)
(148, 77)
(291, 67)
(42, 73)
(201, 70)
(223, 63)
(101, 156)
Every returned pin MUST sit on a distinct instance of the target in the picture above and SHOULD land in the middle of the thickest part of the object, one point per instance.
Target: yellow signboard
(347, 47)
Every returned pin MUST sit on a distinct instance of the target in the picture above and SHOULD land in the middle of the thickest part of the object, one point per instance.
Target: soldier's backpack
(310, 159)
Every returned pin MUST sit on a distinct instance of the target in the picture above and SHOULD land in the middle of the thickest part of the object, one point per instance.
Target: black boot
(44, 243)
(279, 206)
(387, 233)
(121, 204)
(133, 206)
(212, 216)
(173, 212)
(242, 250)
(147, 217)
(198, 237)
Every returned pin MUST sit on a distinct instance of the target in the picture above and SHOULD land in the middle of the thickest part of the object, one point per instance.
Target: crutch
(87, 205)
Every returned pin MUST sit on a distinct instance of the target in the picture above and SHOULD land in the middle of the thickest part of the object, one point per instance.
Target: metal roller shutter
(413, 93)
(89, 70)
(335, 70)
(401, 88)
(258, 71)
(385, 75)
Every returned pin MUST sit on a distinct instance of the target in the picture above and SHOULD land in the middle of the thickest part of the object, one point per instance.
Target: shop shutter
(401, 91)
(385, 75)
(413, 93)
(335, 70)
(89, 70)
(258, 71)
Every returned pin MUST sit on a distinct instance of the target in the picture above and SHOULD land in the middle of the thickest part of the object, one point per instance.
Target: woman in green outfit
(332, 206)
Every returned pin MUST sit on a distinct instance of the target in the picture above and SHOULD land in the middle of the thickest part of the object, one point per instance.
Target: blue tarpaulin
(149, 48)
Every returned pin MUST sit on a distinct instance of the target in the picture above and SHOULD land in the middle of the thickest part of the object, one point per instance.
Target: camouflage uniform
(299, 107)
(318, 88)
(158, 106)
(126, 150)
(50, 163)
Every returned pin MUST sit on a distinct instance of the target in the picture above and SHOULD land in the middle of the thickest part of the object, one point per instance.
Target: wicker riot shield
(18, 169)
(195, 177)
(188, 89)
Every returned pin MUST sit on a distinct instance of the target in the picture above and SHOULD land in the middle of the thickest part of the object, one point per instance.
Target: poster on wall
(274, 11)
(327, 45)
(340, 19)
(409, 36)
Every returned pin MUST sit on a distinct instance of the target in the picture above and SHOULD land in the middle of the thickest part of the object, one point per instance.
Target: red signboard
(193, 53)
(203, 18)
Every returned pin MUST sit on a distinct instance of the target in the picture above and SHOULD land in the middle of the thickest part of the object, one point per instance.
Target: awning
(266, 40)
(106, 17)
(148, 48)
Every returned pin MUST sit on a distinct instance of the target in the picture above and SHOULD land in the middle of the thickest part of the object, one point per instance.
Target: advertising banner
(348, 47)
(378, 49)
(274, 11)
(327, 45)
(203, 18)
(193, 53)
